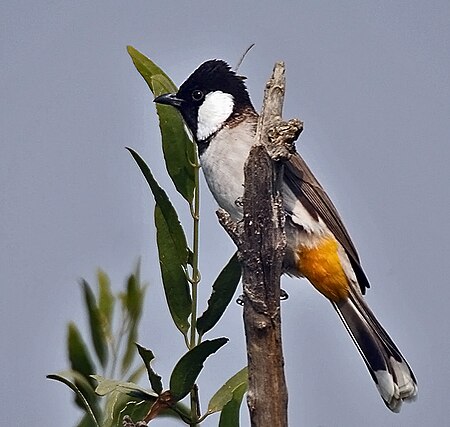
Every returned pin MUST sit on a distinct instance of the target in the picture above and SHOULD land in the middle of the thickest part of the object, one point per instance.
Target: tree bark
(261, 245)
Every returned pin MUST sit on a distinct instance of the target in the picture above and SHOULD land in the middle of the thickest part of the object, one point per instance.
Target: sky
(370, 80)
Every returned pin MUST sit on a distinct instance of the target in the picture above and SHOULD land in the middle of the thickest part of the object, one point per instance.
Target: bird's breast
(223, 166)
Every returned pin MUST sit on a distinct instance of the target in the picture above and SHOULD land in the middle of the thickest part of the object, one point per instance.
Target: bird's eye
(197, 95)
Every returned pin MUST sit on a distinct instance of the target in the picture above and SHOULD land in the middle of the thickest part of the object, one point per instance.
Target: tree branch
(261, 244)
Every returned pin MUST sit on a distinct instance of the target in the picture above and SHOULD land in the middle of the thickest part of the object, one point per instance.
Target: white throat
(213, 112)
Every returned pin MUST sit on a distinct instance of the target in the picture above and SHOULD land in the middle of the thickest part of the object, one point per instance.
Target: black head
(211, 94)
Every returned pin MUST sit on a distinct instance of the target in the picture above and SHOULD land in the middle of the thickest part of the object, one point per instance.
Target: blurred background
(371, 82)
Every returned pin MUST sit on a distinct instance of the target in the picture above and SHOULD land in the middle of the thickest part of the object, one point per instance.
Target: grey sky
(371, 82)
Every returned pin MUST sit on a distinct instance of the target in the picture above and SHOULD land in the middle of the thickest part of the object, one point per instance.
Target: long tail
(389, 369)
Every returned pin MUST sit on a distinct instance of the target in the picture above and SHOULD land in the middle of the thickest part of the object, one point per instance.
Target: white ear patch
(213, 112)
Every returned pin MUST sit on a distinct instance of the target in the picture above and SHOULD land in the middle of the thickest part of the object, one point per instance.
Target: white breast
(223, 165)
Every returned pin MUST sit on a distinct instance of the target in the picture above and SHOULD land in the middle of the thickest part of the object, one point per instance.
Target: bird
(216, 107)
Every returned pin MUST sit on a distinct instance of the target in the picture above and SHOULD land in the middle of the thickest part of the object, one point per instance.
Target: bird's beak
(169, 99)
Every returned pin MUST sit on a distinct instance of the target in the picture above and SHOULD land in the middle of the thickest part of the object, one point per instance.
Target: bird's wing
(305, 186)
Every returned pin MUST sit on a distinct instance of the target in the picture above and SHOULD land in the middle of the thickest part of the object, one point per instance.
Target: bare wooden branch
(262, 250)
(261, 244)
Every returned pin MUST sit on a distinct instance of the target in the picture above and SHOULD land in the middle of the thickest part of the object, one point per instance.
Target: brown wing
(305, 186)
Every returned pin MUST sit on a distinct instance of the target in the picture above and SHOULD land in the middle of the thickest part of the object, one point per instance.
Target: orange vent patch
(322, 267)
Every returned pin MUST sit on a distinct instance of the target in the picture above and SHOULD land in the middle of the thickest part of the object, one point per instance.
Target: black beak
(169, 99)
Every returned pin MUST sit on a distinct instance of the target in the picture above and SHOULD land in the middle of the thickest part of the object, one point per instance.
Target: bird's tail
(389, 369)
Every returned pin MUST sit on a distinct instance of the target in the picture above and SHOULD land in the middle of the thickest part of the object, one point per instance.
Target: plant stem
(195, 212)
(195, 248)
(117, 344)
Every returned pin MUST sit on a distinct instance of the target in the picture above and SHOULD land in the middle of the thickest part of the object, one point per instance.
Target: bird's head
(209, 97)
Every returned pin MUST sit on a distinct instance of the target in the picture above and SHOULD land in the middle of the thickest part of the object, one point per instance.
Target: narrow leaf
(111, 411)
(179, 150)
(86, 421)
(119, 404)
(97, 332)
(176, 286)
(135, 375)
(63, 379)
(133, 299)
(149, 71)
(105, 298)
(106, 386)
(79, 357)
(133, 304)
(81, 362)
(223, 290)
(190, 365)
(155, 380)
(177, 236)
(140, 410)
(137, 410)
(130, 350)
(225, 393)
(230, 414)
(137, 272)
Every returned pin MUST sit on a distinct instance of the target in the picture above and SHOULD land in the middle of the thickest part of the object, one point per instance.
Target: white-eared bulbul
(216, 107)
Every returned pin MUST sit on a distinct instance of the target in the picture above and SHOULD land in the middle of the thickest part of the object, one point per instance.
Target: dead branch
(261, 244)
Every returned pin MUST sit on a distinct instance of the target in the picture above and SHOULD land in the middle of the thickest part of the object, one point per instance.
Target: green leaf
(105, 298)
(229, 416)
(130, 350)
(133, 300)
(173, 251)
(177, 236)
(115, 401)
(123, 398)
(223, 290)
(97, 332)
(138, 411)
(66, 378)
(119, 404)
(137, 272)
(106, 386)
(176, 286)
(79, 357)
(190, 365)
(136, 374)
(179, 150)
(81, 362)
(86, 421)
(226, 392)
(150, 71)
(155, 380)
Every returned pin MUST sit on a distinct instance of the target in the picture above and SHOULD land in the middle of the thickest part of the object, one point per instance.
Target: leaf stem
(118, 343)
(195, 279)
